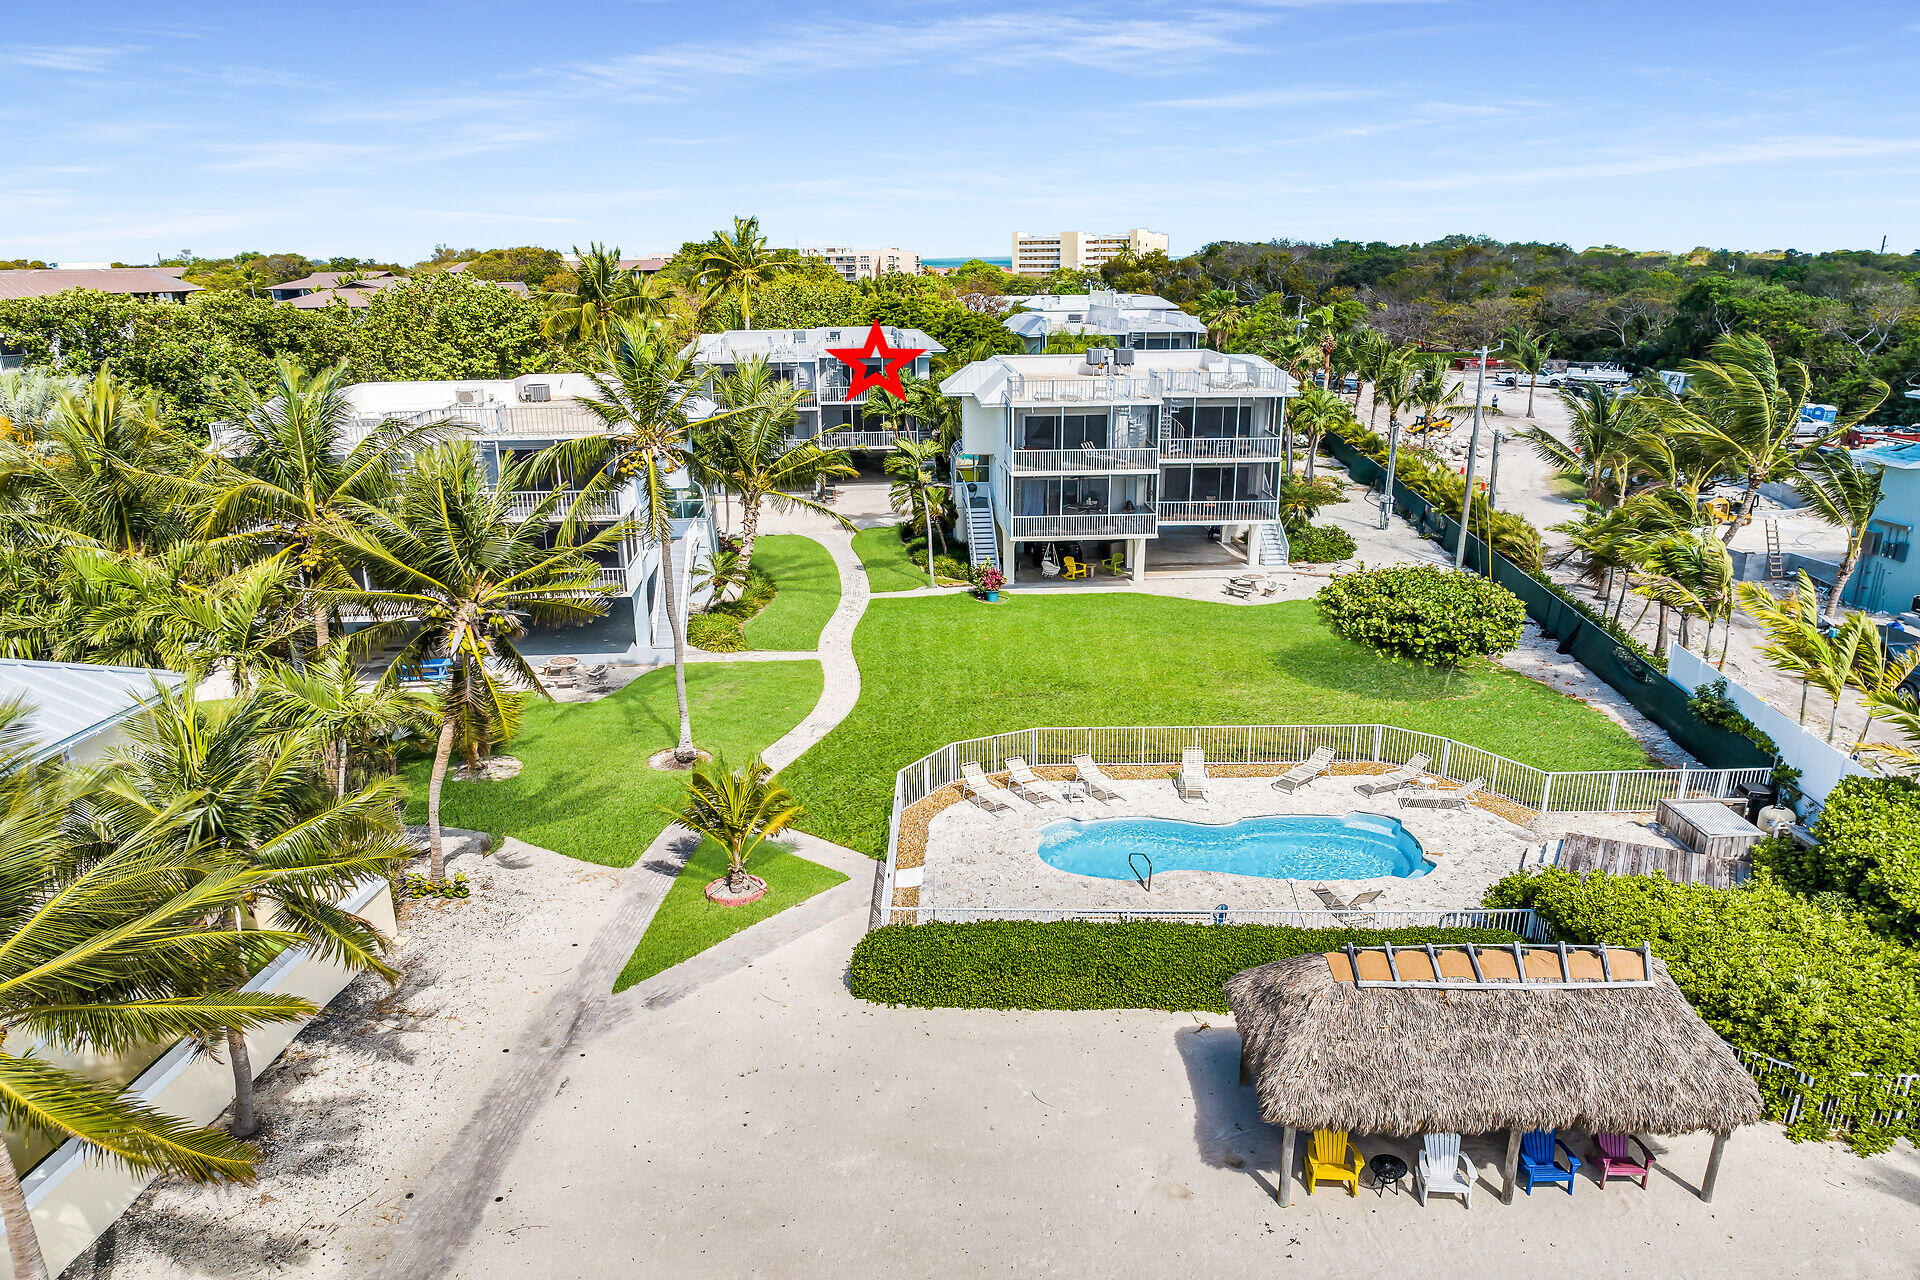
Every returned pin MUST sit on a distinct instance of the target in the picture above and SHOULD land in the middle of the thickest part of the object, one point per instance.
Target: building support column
(1286, 1165)
(1512, 1166)
(1713, 1168)
(1254, 533)
(1137, 559)
(1007, 557)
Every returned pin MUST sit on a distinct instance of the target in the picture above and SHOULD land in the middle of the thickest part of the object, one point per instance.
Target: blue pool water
(1293, 846)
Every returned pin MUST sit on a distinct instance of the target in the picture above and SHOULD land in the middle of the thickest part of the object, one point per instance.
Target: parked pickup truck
(1606, 375)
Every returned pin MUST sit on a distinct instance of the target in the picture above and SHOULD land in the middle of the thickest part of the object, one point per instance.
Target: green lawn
(809, 590)
(687, 923)
(585, 789)
(940, 668)
(885, 558)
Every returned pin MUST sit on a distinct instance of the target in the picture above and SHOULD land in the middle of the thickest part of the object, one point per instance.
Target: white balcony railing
(1235, 377)
(1092, 524)
(1216, 512)
(1088, 458)
(846, 439)
(607, 507)
(555, 421)
(1097, 389)
(1257, 448)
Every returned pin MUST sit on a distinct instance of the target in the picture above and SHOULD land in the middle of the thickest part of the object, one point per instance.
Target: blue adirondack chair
(1537, 1162)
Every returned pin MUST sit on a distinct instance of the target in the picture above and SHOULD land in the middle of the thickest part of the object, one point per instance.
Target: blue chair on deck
(1538, 1164)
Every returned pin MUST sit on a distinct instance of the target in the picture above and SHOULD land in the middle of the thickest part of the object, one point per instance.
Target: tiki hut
(1474, 1040)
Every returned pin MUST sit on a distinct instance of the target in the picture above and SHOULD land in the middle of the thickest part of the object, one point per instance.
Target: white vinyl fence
(1606, 791)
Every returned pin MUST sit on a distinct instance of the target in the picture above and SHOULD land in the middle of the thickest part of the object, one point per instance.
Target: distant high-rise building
(865, 264)
(1037, 255)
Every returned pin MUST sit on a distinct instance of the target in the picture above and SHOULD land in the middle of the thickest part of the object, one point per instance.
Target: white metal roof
(1152, 375)
(70, 701)
(777, 346)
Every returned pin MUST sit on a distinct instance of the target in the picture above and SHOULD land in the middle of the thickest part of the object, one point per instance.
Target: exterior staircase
(983, 542)
(1274, 550)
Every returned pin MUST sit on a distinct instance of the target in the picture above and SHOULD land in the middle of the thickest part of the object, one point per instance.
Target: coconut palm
(1795, 640)
(602, 293)
(1743, 410)
(1221, 312)
(232, 781)
(1394, 379)
(1528, 352)
(28, 400)
(751, 454)
(733, 266)
(1690, 572)
(102, 469)
(152, 606)
(1843, 493)
(291, 473)
(107, 948)
(924, 407)
(457, 576)
(917, 489)
(1878, 674)
(1368, 349)
(1606, 439)
(1316, 411)
(738, 809)
(647, 395)
(352, 716)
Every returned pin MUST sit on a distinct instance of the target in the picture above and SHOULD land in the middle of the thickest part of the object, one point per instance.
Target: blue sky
(382, 129)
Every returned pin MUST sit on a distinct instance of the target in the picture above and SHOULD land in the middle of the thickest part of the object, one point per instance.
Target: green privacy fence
(1655, 696)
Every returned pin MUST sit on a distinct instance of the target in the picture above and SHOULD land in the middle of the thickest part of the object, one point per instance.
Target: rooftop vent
(536, 393)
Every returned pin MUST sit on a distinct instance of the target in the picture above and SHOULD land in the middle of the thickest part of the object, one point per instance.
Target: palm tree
(1690, 572)
(1877, 674)
(1220, 311)
(602, 293)
(915, 489)
(924, 407)
(1528, 352)
(1394, 381)
(232, 781)
(1368, 349)
(458, 577)
(1838, 656)
(291, 474)
(648, 393)
(750, 453)
(147, 604)
(1843, 493)
(734, 265)
(1315, 411)
(102, 469)
(1743, 410)
(1606, 437)
(1795, 639)
(107, 945)
(28, 400)
(328, 698)
(738, 809)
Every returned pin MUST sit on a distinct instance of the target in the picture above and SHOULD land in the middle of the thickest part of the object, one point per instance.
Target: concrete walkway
(463, 1182)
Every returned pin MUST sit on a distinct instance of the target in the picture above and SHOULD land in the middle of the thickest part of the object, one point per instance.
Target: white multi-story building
(1037, 255)
(514, 419)
(865, 264)
(1137, 320)
(800, 356)
(1106, 453)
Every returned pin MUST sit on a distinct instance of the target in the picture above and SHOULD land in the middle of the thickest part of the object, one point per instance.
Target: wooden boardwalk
(1583, 853)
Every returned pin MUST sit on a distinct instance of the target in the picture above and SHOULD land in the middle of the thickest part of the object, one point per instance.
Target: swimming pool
(1291, 846)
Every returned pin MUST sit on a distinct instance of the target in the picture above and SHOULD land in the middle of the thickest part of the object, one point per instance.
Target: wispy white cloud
(1304, 96)
(90, 59)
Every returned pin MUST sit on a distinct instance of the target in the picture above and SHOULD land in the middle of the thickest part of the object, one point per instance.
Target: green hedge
(1320, 544)
(1806, 981)
(1868, 850)
(1085, 964)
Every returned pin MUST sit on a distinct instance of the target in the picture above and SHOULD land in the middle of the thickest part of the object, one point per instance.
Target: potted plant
(987, 582)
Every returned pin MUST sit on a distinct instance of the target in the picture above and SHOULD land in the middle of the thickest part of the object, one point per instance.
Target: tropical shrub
(715, 632)
(1423, 613)
(1424, 473)
(1713, 704)
(1804, 981)
(1320, 544)
(1301, 500)
(1868, 849)
(1086, 964)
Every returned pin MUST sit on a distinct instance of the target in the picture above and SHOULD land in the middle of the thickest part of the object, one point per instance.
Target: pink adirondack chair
(1616, 1159)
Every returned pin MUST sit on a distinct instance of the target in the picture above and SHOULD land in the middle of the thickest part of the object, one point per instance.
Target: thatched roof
(1328, 1053)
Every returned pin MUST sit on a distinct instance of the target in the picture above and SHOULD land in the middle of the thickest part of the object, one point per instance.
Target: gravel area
(364, 1100)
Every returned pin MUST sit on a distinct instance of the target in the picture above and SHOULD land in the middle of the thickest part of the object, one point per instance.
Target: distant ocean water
(954, 262)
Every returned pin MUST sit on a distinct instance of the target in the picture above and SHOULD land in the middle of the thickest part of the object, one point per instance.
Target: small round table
(1387, 1172)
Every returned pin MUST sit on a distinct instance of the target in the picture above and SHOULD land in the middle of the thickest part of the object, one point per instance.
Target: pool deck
(979, 859)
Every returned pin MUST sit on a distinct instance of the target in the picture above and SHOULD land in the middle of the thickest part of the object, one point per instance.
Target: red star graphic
(892, 361)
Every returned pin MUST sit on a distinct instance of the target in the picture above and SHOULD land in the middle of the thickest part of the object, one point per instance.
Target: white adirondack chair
(1443, 1169)
(1193, 774)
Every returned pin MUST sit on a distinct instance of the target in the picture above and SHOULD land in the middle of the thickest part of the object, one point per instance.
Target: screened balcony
(1083, 507)
(1070, 441)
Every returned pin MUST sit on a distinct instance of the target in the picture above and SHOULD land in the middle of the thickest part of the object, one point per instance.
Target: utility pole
(1393, 449)
(1493, 494)
(1473, 457)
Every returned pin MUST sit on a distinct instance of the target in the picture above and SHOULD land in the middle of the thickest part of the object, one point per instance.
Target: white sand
(365, 1099)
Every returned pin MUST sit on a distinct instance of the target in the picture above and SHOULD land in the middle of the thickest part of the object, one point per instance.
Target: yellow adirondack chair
(1333, 1158)
(1071, 568)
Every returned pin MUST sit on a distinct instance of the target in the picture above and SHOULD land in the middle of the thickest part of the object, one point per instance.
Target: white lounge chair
(1306, 771)
(974, 782)
(1098, 783)
(1329, 899)
(1443, 1169)
(1030, 784)
(1434, 798)
(1192, 780)
(1412, 771)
